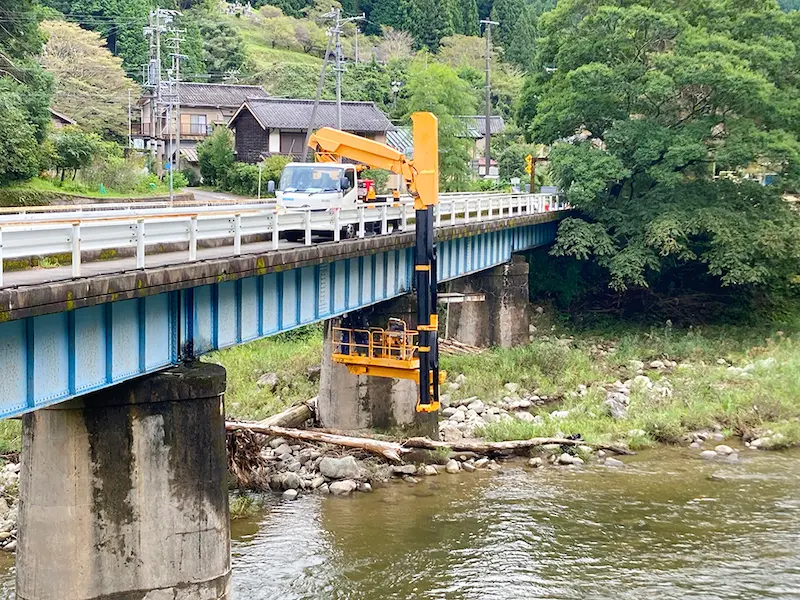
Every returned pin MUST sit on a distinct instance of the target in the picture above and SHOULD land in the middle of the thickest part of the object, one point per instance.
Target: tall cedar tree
(661, 95)
(506, 12)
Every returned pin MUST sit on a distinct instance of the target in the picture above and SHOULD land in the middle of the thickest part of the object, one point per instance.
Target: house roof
(290, 113)
(221, 95)
(402, 140)
(475, 125)
(61, 117)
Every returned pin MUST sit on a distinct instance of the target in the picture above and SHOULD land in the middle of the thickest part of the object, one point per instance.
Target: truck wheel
(295, 236)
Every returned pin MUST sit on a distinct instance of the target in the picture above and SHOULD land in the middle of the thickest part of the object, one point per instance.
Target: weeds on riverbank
(288, 355)
(705, 392)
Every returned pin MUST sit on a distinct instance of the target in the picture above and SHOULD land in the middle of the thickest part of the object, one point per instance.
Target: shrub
(216, 157)
(242, 179)
(115, 173)
(192, 177)
(273, 167)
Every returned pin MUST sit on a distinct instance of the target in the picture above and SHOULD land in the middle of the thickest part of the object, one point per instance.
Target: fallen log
(394, 450)
(391, 451)
(510, 446)
(294, 416)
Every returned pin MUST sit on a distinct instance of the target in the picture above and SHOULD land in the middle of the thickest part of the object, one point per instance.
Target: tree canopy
(25, 91)
(91, 86)
(646, 102)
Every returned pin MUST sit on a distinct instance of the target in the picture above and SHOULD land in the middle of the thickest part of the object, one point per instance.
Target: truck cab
(318, 186)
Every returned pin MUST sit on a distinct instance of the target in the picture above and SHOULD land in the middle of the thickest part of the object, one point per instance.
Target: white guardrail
(39, 233)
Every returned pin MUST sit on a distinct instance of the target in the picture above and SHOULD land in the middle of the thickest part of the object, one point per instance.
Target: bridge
(105, 460)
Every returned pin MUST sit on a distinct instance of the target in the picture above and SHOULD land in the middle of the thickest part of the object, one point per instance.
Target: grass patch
(288, 355)
(703, 395)
(10, 436)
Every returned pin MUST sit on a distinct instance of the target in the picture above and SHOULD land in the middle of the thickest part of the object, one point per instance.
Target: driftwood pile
(454, 348)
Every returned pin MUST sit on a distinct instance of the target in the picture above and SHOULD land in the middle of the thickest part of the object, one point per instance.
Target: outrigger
(398, 352)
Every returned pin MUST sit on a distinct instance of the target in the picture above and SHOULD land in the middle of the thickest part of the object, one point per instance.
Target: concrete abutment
(124, 493)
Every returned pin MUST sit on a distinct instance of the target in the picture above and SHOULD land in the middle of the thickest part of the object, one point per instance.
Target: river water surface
(667, 526)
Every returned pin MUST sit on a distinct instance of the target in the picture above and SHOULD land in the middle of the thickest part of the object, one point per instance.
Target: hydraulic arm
(396, 352)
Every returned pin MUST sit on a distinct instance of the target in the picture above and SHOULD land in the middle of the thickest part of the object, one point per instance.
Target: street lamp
(396, 85)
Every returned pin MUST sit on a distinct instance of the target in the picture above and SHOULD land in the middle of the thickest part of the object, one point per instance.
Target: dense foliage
(90, 84)
(646, 102)
(25, 91)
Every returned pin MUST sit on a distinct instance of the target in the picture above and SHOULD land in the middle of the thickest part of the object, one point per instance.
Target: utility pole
(488, 123)
(130, 125)
(158, 23)
(337, 31)
(356, 51)
(175, 81)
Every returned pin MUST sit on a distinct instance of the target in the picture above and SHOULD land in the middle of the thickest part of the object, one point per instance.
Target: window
(292, 142)
(194, 124)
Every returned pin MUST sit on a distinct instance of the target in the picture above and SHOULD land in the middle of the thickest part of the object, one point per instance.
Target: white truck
(327, 187)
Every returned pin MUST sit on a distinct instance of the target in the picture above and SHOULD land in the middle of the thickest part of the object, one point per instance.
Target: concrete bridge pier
(124, 493)
(502, 319)
(351, 402)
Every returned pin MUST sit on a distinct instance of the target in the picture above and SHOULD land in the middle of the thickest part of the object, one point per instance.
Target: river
(669, 525)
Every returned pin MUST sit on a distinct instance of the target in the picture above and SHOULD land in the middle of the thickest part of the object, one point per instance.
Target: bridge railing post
(480, 210)
(362, 227)
(466, 211)
(76, 249)
(403, 217)
(140, 244)
(337, 228)
(438, 210)
(276, 234)
(1, 256)
(237, 234)
(384, 221)
(193, 238)
(308, 227)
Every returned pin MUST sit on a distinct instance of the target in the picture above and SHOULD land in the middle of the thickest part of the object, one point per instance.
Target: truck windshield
(310, 178)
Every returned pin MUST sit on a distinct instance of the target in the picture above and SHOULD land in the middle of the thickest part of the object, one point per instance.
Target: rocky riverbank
(9, 498)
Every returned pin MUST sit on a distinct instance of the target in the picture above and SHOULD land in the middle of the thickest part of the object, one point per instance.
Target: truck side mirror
(271, 186)
(344, 183)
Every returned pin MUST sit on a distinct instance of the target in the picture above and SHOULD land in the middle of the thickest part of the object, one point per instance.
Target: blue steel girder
(49, 358)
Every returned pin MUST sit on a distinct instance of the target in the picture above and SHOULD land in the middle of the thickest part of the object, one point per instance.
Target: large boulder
(339, 468)
(617, 404)
(342, 488)
(269, 381)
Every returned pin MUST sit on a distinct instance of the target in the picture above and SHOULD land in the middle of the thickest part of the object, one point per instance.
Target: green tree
(223, 50)
(506, 12)
(469, 17)
(426, 22)
(74, 149)
(521, 48)
(216, 156)
(653, 98)
(25, 92)
(437, 88)
(91, 86)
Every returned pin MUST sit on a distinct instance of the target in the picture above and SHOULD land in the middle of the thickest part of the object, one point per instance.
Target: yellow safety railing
(376, 344)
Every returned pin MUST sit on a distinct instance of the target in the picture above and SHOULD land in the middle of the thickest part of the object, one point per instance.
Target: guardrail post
(438, 210)
(452, 212)
(491, 207)
(276, 234)
(529, 205)
(308, 227)
(140, 244)
(403, 217)
(237, 234)
(480, 210)
(362, 230)
(76, 249)
(384, 223)
(337, 228)
(466, 211)
(193, 238)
